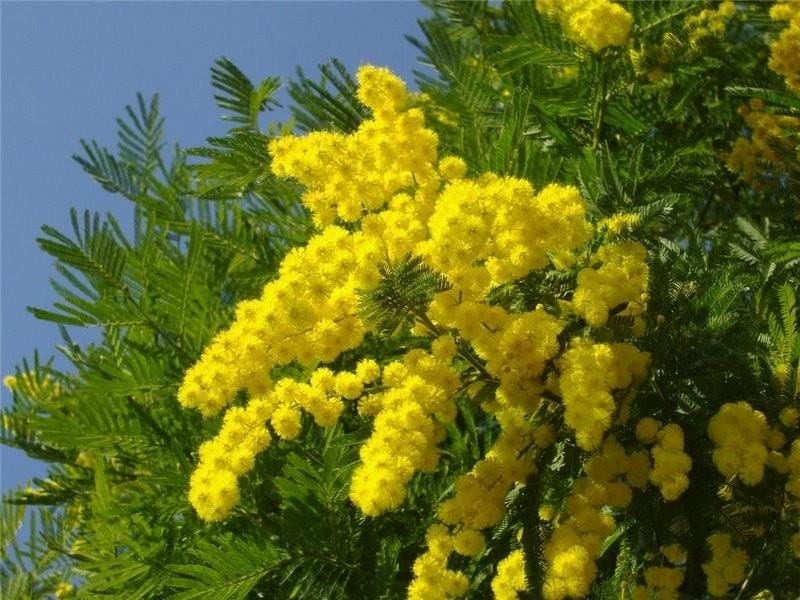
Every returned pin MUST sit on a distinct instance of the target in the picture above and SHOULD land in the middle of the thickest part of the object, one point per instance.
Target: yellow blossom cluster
(770, 135)
(479, 494)
(785, 50)
(710, 21)
(510, 577)
(571, 550)
(214, 489)
(726, 567)
(662, 584)
(589, 373)
(381, 194)
(407, 428)
(619, 283)
(647, 430)
(232, 452)
(479, 497)
(740, 434)
(63, 589)
(671, 464)
(596, 24)
(433, 580)
(310, 312)
(494, 229)
(346, 176)
(515, 346)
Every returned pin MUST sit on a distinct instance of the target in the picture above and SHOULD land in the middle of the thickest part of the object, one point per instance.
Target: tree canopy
(529, 331)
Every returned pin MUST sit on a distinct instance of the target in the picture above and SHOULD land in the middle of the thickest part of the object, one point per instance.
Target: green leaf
(227, 567)
(237, 94)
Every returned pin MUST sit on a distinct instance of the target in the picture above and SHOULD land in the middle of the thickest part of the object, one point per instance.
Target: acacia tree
(528, 332)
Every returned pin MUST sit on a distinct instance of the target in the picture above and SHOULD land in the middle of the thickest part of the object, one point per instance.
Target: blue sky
(69, 68)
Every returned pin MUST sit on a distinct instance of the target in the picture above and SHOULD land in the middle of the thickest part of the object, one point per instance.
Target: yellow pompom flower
(674, 553)
(349, 385)
(452, 168)
(368, 371)
(795, 544)
(286, 422)
(469, 542)
(647, 429)
(619, 222)
(63, 589)
(793, 466)
(790, 416)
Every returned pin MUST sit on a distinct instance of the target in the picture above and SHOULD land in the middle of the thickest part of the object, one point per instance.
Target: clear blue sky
(69, 68)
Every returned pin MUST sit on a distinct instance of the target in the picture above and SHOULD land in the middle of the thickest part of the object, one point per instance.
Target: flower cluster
(379, 195)
(309, 312)
(478, 502)
(710, 21)
(740, 434)
(510, 577)
(662, 584)
(596, 24)
(433, 580)
(674, 553)
(346, 176)
(516, 347)
(496, 229)
(589, 373)
(671, 464)
(790, 416)
(214, 489)
(619, 222)
(619, 283)
(785, 50)
(575, 542)
(408, 426)
(726, 567)
(770, 135)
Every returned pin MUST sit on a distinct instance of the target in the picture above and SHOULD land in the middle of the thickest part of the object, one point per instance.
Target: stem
(599, 109)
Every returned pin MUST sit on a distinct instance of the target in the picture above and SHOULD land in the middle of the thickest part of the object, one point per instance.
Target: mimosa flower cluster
(596, 24)
(710, 21)
(409, 423)
(785, 50)
(770, 135)
(589, 374)
(610, 475)
(740, 434)
(671, 465)
(726, 567)
(662, 583)
(554, 373)
(510, 577)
